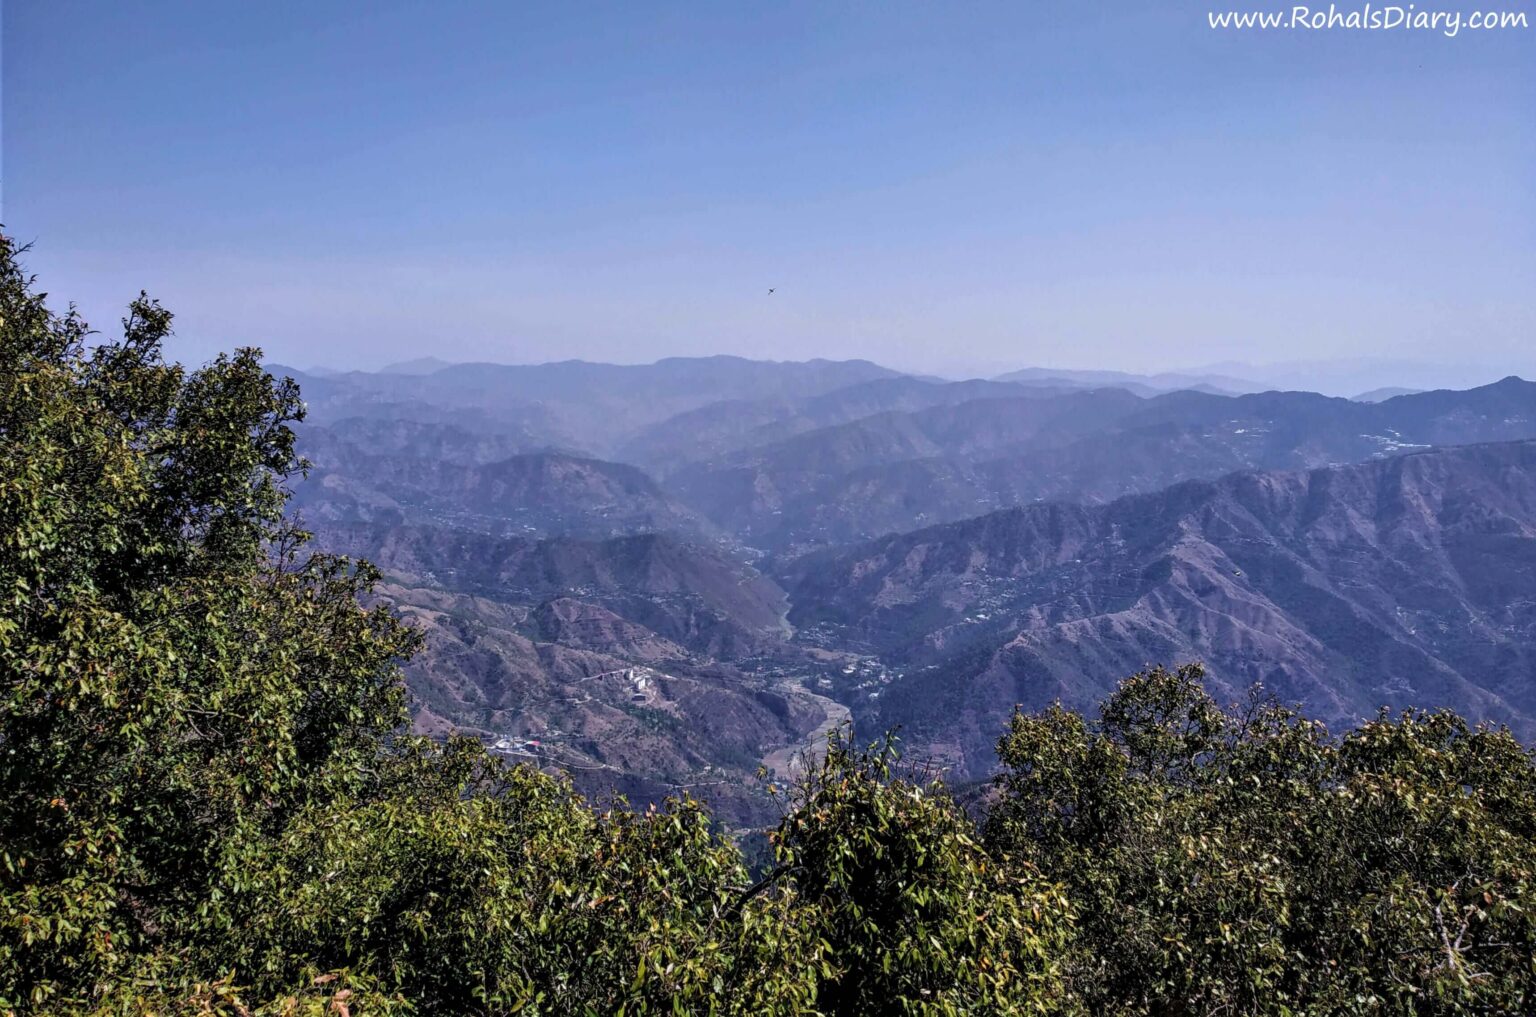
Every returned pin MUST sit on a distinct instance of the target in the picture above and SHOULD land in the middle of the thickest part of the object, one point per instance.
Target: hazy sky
(944, 186)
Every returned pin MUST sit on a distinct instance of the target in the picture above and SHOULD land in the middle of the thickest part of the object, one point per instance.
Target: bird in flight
(770, 289)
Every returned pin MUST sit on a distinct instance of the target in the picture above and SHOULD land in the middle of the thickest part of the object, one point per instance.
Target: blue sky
(951, 187)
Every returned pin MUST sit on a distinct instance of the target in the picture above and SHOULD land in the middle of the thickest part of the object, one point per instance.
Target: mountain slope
(533, 494)
(897, 471)
(720, 428)
(624, 662)
(1406, 581)
(572, 686)
(787, 492)
(695, 596)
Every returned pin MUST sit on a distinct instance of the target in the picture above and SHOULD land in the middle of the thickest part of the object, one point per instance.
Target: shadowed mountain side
(329, 445)
(1405, 581)
(692, 595)
(753, 492)
(536, 494)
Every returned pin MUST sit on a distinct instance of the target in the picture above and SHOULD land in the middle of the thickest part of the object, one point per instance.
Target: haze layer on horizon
(953, 189)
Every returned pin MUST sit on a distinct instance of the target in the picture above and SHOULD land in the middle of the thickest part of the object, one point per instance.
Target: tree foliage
(1244, 861)
(913, 915)
(175, 683)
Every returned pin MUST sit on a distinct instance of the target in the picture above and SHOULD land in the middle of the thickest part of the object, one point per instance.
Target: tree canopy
(1244, 861)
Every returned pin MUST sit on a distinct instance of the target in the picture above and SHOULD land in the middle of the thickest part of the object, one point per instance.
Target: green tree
(1244, 861)
(913, 915)
(174, 681)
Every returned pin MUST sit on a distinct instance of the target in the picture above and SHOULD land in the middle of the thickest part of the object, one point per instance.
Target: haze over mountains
(665, 574)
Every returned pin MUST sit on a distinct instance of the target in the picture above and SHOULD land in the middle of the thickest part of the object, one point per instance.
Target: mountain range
(662, 576)
(900, 470)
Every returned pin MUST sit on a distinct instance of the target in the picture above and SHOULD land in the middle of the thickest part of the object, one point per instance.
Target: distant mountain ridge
(1141, 384)
(539, 494)
(421, 365)
(830, 485)
(898, 471)
(571, 404)
(721, 428)
(1378, 395)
